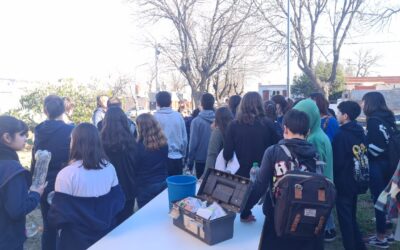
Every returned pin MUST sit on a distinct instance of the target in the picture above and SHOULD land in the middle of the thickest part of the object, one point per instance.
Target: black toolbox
(230, 192)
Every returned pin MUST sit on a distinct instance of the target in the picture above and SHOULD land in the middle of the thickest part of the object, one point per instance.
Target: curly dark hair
(115, 134)
(150, 132)
(250, 108)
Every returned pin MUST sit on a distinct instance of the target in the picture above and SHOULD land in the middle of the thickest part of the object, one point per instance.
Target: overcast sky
(52, 39)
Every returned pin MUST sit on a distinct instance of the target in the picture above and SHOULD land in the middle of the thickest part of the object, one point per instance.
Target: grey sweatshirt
(215, 145)
(200, 133)
(174, 129)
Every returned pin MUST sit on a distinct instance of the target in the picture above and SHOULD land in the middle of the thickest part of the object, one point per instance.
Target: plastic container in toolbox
(229, 191)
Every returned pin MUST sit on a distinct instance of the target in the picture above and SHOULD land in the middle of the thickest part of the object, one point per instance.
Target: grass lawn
(365, 218)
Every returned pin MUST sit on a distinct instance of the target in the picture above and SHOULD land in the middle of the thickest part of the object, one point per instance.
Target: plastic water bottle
(254, 171)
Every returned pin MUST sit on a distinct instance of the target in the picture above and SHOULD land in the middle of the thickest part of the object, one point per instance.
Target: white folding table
(151, 228)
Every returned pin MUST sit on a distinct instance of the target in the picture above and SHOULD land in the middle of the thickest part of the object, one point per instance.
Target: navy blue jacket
(84, 220)
(124, 162)
(348, 135)
(151, 165)
(15, 203)
(53, 136)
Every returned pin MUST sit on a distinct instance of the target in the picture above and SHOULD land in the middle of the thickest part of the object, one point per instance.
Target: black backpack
(393, 145)
(303, 202)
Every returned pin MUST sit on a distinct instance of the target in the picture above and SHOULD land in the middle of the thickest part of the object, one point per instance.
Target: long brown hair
(115, 134)
(223, 116)
(250, 108)
(149, 132)
(375, 102)
(86, 146)
(322, 103)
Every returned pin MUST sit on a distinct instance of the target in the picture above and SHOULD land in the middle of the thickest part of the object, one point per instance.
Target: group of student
(98, 170)
(95, 175)
(313, 133)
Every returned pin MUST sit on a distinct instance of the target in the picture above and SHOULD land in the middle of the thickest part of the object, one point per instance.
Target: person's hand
(38, 189)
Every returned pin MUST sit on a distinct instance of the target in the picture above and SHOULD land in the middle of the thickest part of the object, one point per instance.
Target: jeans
(147, 192)
(346, 208)
(379, 178)
(330, 223)
(175, 166)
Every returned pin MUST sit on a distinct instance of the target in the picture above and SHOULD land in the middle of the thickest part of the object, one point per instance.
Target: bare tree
(380, 13)
(305, 22)
(341, 20)
(177, 83)
(204, 41)
(365, 61)
(230, 80)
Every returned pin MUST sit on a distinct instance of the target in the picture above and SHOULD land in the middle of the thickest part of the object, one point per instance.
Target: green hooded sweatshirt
(317, 137)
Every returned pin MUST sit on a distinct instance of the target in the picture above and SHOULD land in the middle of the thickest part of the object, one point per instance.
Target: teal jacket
(317, 137)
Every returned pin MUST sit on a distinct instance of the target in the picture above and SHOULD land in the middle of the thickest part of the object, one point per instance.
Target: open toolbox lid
(228, 190)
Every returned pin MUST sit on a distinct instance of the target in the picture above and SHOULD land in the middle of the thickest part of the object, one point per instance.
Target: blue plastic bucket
(180, 187)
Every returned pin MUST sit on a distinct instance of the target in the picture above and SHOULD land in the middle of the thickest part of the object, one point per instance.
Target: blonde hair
(149, 132)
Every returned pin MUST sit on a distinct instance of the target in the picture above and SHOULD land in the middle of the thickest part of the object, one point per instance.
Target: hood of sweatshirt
(7, 153)
(301, 149)
(354, 128)
(317, 136)
(9, 169)
(165, 110)
(208, 115)
(310, 108)
(47, 129)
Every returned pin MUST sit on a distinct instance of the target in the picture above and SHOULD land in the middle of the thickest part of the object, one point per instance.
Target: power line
(321, 44)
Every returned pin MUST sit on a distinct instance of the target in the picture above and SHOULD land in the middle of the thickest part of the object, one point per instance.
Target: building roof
(373, 79)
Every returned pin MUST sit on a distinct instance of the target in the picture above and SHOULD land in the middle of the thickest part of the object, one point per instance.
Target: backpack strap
(289, 154)
(286, 150)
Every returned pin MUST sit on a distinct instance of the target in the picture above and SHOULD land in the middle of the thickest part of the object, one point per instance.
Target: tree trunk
(196, 96)
(314, 79)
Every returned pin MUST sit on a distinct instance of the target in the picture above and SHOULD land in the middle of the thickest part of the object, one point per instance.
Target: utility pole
(288, 50)
(157, 52)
